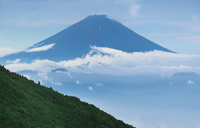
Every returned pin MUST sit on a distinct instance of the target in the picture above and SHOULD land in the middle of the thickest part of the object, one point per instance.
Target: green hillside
(25, 104)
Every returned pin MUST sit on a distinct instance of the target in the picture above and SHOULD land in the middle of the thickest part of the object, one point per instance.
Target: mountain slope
(26, 104)
(94, 30)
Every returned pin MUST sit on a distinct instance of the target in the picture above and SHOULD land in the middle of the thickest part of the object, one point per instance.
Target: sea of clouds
(103, 60)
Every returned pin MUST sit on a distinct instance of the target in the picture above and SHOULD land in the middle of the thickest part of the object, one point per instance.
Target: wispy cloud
(13, 62)
(99, 84)
(134, 10)
(43, 75)
(158, 123)
(36, 13)
(193, 38)
(43, 48)
(190, 82)
(7, 51)
(78, 82)
(192, 29)
(193, 26)
(56, 83)
(65, 72)
(35, 65)
(90, 88)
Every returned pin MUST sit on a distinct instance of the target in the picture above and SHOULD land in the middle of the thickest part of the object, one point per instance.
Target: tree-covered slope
(25, 104)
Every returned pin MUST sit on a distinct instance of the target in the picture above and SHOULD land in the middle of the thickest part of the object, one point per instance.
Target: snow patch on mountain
(110, 18)
(42, 48)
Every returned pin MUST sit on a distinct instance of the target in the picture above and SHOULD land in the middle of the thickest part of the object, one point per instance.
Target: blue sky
(174, 24)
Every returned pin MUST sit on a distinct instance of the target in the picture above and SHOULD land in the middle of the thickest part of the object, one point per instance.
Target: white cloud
(78, 82)
(27, 76)
(43, 48)
(13, 62)
(39, 80)
(36, 65)
(42, 67)
(56, 83)
(90, 88)
(7, 51)
(190, 82)
(43, 75)
(104, 60)
(99, 84)
(116, 62)
(65, 72)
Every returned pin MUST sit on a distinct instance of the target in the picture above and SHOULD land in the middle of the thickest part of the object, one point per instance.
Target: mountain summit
(94, 30)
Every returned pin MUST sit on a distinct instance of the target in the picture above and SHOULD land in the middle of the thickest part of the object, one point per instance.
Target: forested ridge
(25, 104)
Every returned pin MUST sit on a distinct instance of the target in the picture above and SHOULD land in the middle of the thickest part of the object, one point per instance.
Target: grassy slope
(26, 104)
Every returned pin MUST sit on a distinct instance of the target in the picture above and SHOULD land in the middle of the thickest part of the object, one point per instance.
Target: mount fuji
(76, 40)
(105, 63)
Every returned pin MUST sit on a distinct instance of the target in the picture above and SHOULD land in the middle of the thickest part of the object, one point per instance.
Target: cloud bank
(103, 60)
